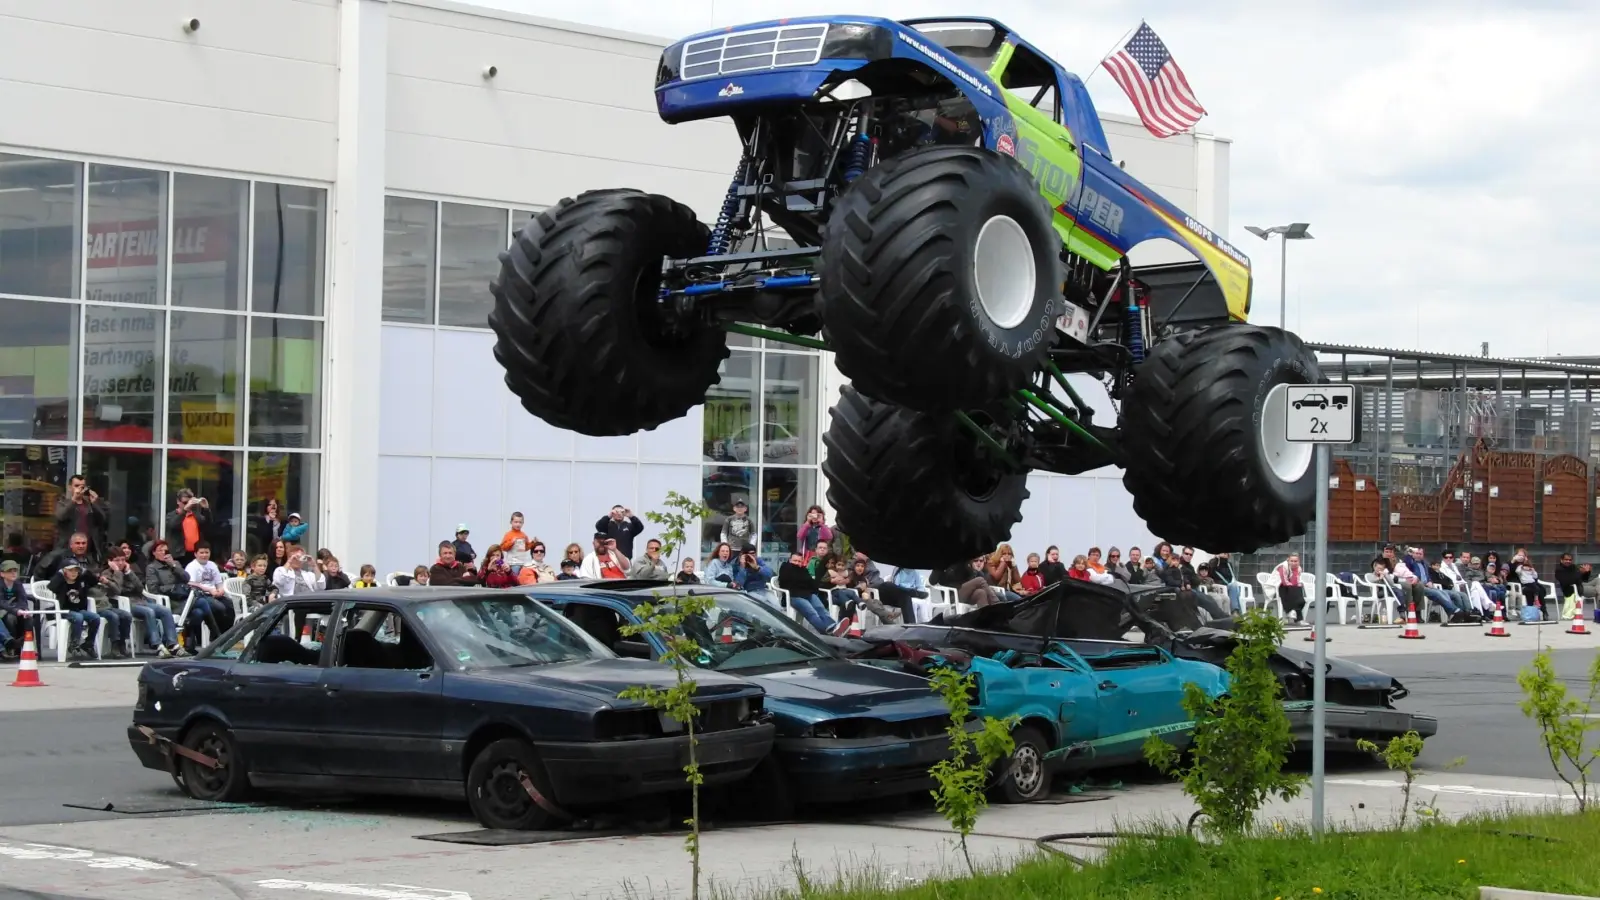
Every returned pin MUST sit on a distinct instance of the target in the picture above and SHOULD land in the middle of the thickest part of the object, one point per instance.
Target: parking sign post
(1321, 415)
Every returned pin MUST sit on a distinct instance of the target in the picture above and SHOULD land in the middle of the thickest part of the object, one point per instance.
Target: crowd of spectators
(178, 577)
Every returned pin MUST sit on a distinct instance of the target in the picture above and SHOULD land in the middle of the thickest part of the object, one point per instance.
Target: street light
(1297, 231)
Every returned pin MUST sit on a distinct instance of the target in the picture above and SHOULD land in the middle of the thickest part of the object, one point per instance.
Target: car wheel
(229, 782)
(941, 279)
(495, 790)
(578, 323)
(1207, 456)
(888, 466)
(1027, 776)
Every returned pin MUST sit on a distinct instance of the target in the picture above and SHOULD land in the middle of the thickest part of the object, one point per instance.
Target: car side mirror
(633, 649)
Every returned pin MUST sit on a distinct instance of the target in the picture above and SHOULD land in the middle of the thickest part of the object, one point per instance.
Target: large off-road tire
(1207, 458)
(941, 279)
(913, 489)
(578, 325)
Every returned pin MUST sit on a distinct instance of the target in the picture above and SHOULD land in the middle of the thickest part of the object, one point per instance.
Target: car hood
(1360, 677)
(604, 679)
(833, 689)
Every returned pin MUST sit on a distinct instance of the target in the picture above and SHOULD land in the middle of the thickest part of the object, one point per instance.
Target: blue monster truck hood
(716, 73)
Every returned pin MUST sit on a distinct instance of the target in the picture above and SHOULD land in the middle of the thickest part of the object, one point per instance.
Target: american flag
(1152, 80)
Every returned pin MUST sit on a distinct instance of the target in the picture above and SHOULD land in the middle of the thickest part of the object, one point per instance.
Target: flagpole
(1099, 64)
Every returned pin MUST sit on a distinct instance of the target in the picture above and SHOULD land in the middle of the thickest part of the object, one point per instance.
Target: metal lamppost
(1297, 231)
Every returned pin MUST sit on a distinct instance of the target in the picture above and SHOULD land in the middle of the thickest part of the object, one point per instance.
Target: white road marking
(1450, 788)
(73, 854)
(377, 891)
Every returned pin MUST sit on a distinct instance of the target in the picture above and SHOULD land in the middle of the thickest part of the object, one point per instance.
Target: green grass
(1450, 860)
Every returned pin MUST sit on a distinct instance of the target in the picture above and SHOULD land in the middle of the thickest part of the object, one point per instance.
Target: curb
(1494, 893)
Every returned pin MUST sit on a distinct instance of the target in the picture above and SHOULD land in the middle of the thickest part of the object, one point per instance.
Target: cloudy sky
(1444, 151)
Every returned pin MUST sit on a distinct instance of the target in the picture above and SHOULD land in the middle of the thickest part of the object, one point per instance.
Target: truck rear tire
(912, 489)
(577, 318)
(941, 279)
(1207, 459)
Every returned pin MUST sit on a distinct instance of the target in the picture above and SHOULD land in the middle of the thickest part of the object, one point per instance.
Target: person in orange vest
(187, 524)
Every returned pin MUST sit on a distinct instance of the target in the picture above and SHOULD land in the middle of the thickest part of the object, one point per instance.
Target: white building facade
(251, 258)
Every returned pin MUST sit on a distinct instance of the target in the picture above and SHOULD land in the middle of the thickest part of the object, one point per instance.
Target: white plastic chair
(946, 601)
(393, 578)
(50, 623)
(1332, 596)
(237, 590)
(1269, 591)
(1373, 596)
(183, 616)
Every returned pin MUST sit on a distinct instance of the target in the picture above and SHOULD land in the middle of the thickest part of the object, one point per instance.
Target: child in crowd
(369, 576)
(569, 570)
(236, 567)
(258, 587)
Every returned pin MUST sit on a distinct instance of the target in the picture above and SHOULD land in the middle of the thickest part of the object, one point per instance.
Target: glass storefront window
(213, 476)
(785, 495)
(729, 430)
(204, 378)
(41, 207)
(32, 479)
(290, 249)
(127, 235)
(125, 479)
(720, 488)
(209, 225)
(38, 368)
(409, 235)
(289, 478)
(285, 383)
(789, 409)
(470, 241)
(122, 350)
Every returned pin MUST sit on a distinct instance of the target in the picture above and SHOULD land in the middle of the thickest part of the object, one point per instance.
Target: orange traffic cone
(727, 632)
(28, 665)
(1577, 619)
(1311, 636)
(305, 634)
(1498, 627)
(856, 630)
(1412, 633)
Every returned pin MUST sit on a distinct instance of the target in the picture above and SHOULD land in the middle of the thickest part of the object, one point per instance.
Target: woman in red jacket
(1032, 579)
(496, 573)
(1079, 568)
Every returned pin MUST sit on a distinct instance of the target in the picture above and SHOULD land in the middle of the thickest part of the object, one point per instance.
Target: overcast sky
(1445, 152)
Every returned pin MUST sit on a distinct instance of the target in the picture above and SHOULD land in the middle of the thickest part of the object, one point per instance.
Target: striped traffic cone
(727, 632)
(1497, 628)
(28, 665)
(1311, 637)
(1412, 633)
(305, 634)
(1577, 619)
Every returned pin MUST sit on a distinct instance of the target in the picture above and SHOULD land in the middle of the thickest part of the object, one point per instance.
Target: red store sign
(112, 245)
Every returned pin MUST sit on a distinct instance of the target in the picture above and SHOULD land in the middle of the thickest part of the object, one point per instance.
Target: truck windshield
(974, 42)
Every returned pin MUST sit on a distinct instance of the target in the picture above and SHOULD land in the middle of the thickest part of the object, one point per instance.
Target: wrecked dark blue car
(846, 730)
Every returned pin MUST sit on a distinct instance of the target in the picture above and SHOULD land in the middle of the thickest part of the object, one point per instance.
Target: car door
(1139, 693)
(274, 692)
(383, 694)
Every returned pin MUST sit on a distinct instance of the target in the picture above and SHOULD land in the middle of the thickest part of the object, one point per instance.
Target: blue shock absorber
(860, 156)
(1135, 332)
(720, 237)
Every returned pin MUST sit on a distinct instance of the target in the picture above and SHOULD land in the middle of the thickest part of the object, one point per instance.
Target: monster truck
(937, 200)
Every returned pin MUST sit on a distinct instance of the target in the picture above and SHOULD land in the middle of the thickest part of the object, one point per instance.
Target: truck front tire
(941, 279)
(578, 322)
(1208, 461)
(912, 489)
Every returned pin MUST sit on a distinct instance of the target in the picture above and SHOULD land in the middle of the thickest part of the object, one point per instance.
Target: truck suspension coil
(721, 233)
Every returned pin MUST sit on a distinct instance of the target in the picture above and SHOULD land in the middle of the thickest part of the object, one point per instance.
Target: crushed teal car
(1080, 704)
